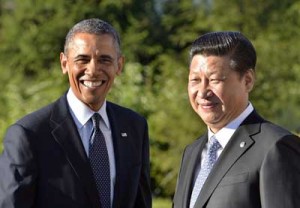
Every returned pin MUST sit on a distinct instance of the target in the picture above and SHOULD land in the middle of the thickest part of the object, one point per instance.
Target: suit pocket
(233, 179)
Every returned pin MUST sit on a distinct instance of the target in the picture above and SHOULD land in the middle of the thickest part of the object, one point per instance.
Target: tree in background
(156, 36)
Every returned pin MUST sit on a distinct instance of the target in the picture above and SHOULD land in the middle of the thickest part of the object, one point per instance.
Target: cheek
(109, 71)
(223, 91)
(72, 76)
(229, 97)
(192, 93)
(73, 79)
(75, 72)
(192, 90)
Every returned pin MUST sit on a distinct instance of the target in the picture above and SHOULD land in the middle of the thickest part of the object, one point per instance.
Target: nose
(204, 91)
(205, 94)
(94, 67)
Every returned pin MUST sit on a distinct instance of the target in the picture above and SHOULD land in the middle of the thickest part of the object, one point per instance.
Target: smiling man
(242, 161)
(80, 151)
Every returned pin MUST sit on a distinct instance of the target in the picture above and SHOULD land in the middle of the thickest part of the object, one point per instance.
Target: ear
(63, 63)
(121, 61)
(249, 78)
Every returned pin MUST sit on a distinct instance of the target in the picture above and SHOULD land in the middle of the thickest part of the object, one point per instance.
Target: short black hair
(227, 43)
(93, 26)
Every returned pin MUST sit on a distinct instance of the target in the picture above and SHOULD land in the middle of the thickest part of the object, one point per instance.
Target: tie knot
(96, 119)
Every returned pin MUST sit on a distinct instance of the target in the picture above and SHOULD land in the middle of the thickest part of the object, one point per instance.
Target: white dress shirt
(81, 115)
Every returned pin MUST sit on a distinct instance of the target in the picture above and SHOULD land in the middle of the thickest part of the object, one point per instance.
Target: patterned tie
(99, 162)
(208, 163)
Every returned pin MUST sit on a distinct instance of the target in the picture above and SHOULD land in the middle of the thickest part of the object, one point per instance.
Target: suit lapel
(240, 142)
(194, 162)
(125, 153)
(116, 137)
(121, 150)
(66, 135)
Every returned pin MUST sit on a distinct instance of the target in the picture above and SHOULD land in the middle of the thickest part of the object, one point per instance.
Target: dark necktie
(98, 156)
(208, 163)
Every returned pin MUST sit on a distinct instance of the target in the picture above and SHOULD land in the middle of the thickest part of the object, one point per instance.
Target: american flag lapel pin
(124, 134)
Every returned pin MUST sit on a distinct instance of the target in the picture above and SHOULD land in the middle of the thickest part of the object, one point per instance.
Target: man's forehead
(208, 64)
(97, 45)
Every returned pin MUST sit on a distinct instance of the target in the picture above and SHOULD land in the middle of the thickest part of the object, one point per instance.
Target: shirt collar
(82, 112)
(224, 135)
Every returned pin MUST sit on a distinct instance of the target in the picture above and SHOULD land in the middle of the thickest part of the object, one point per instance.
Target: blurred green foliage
(161, 203)
(156, 36)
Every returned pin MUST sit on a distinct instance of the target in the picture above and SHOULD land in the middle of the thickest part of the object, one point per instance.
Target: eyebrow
(210, 73)
(81, 56)
(106, 57)
(87, 57)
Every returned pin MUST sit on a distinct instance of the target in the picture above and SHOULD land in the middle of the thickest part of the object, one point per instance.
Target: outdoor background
(156, 36)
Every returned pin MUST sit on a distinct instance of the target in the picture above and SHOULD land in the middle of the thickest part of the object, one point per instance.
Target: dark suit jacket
(44, 163)
(265, 172)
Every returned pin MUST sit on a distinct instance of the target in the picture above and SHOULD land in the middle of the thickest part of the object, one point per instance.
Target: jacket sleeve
(280, 174)
(17, 169)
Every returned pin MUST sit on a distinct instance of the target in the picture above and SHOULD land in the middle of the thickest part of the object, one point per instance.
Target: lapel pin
(124, 134)
(242, 144)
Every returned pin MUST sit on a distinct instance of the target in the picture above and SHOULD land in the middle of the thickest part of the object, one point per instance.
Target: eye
(82, 61)
(214, 81)
(194, 80)
(106, 60)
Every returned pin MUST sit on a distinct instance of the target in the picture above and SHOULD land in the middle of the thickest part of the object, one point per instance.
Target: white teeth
(92, 84)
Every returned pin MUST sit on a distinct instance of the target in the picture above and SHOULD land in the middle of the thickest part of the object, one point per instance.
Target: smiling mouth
(92, 84)
(207, 105)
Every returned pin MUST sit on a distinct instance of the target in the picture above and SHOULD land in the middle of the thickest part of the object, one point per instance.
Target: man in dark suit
(47, 154)
(242, 161)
